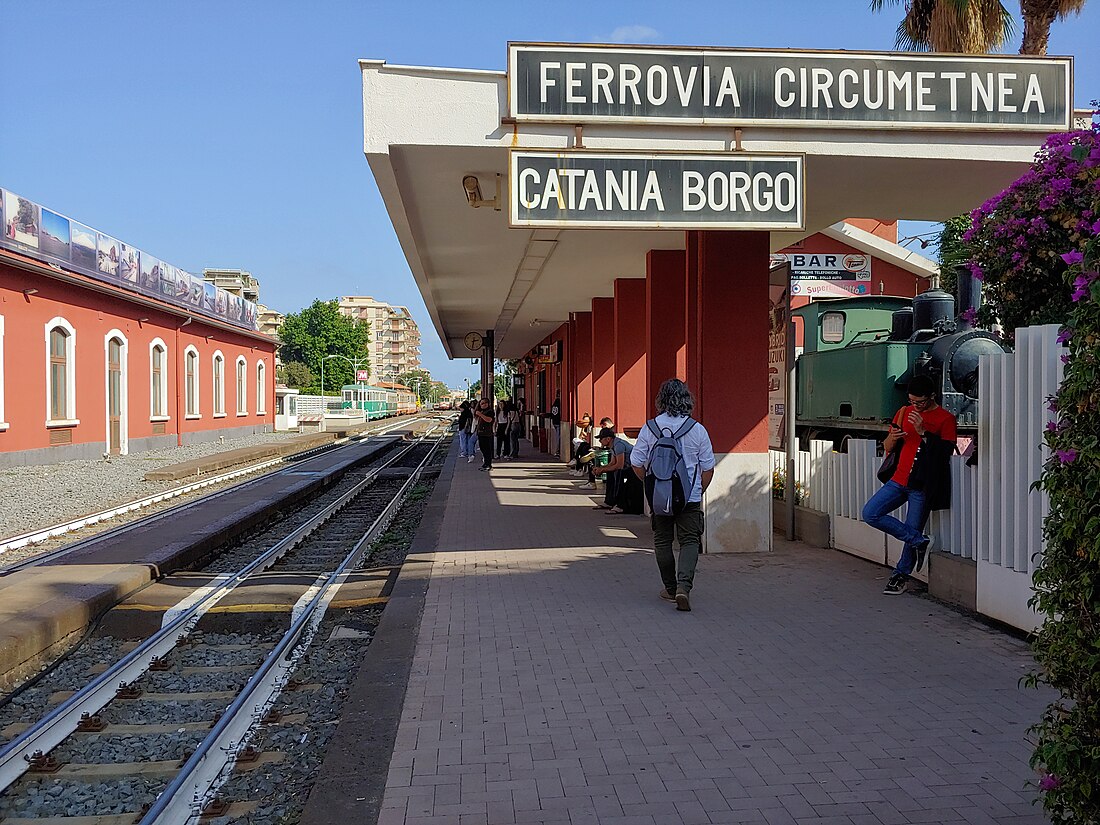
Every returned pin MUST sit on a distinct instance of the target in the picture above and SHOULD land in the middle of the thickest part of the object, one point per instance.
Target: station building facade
(88, 369)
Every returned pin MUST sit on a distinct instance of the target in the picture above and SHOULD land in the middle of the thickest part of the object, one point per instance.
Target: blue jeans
(467, 443)
(876, 512)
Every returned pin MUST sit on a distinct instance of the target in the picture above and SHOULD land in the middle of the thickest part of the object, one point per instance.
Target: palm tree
(1038, 16)
(967, 26)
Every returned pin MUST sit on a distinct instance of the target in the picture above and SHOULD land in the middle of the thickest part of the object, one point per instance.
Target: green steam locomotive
(860, 353)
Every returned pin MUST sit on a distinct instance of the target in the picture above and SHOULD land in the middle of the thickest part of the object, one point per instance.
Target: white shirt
(696, 447)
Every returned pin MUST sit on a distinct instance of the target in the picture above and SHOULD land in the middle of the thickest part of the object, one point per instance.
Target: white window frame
(157, 342)
(187, 414)
(124, 402)
(218, 384)
(241, 379)
(70, 419)
(261, 385)
(3, 423)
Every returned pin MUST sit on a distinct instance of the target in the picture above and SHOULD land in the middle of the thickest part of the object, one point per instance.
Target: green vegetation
(320, 330)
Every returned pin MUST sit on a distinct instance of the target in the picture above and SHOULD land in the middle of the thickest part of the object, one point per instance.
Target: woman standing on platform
(485, 419)
(502, 429)
(466, 438)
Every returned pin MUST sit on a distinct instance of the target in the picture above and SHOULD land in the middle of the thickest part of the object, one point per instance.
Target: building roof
(476, 274)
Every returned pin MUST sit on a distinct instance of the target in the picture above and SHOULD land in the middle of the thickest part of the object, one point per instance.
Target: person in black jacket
(925, 434)
(467, 441)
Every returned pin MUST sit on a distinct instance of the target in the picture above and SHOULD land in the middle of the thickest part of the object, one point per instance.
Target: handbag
(889, 464)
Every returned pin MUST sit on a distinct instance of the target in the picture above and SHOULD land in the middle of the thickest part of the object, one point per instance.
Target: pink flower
(1065, 359)
(1064, 335)
(1052, 426)
(1074, 257)
(1066, 456)
(1049, 782)
(975, 270)
(970, 315)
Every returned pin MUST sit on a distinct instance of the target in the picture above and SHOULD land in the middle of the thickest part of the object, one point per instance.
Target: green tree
(500, 385)
(967, 26)
(1038, 16)
(438, 392)
(953, 253)
(296, 375)
(320, 330)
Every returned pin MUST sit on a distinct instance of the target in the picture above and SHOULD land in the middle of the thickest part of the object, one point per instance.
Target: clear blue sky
(224, 133)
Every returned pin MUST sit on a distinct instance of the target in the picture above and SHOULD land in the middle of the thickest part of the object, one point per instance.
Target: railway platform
(525, 671)
(45, 607)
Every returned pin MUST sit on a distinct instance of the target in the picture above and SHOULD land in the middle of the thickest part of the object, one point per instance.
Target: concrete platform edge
(352, 779)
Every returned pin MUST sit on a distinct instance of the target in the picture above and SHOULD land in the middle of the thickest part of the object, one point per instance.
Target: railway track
(20, 551)
(166, 699)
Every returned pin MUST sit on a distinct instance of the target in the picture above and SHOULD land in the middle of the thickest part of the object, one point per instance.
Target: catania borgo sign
(689, 190)
(609, 84)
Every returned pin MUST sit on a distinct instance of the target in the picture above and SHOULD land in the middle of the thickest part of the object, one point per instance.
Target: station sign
(738, 87)
(655, 190)
(362, 376)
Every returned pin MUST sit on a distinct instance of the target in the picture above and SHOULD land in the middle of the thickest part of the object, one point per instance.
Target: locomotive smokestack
(968, 291)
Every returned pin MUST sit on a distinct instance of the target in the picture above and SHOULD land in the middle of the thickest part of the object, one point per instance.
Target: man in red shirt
(927, 435)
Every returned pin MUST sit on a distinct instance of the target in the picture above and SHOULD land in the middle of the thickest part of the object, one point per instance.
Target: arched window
(242, 386)
(191, 382)
(60, 373)
(116, 348)
(261, 388)
(3, 422)
(158, 380)
(219, 384)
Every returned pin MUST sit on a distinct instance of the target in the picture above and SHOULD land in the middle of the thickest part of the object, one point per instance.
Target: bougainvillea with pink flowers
(1018, 238)
(1067, 581)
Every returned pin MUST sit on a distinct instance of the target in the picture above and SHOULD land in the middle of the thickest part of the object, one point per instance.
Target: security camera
(473, 190)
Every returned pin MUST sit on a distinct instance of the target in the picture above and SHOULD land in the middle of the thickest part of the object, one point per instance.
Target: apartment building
(395, 337)
(237, 282)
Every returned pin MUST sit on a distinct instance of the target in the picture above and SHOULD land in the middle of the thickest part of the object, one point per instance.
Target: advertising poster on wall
(107, 255)
(779, 314)
(21, 220)
(54, 237)
(32, 230)
(83, 247)
(127, 264)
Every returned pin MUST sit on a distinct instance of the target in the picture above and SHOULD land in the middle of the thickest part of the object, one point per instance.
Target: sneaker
(616, 510)
(588, 485)
(668, 597)
(682, 601)
(470, 460)
(896, 585)
(922, 552)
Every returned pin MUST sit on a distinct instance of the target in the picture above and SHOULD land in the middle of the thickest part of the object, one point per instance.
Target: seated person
(582, 444)
(623, 488)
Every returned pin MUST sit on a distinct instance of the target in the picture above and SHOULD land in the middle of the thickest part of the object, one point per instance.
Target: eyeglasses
(919, 402)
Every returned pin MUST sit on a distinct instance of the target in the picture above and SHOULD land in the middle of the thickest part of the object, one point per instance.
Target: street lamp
(467, 380)
(354, 367)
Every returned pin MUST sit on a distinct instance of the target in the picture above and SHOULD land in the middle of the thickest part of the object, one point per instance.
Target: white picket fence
(995, 518)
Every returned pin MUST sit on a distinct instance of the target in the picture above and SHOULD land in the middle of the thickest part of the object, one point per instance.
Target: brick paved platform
(549, 683)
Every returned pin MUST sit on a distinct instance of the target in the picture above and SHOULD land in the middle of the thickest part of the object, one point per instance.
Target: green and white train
(378, 402)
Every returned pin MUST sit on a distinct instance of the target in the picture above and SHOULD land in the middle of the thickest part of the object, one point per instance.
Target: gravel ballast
(77, 488)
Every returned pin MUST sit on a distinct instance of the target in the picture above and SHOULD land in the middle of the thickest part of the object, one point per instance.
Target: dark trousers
(502, 440)
(514, 438)
(613, 483)
(687, 529)
(485, 442)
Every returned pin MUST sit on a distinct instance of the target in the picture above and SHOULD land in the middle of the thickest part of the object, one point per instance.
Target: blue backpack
(667, 480)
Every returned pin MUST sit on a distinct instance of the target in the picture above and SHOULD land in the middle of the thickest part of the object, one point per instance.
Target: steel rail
(36, 536)
(183, 800)
(58, 724)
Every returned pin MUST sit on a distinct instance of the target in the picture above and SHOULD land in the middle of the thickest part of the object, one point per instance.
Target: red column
(630, 355)
(666, 320)
(691, 311)
(582, 367)
(603, 358)
(732, 386)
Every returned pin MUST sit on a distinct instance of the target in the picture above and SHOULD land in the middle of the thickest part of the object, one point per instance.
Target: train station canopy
(426, 130)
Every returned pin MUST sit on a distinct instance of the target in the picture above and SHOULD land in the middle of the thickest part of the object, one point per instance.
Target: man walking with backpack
(674, 458)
